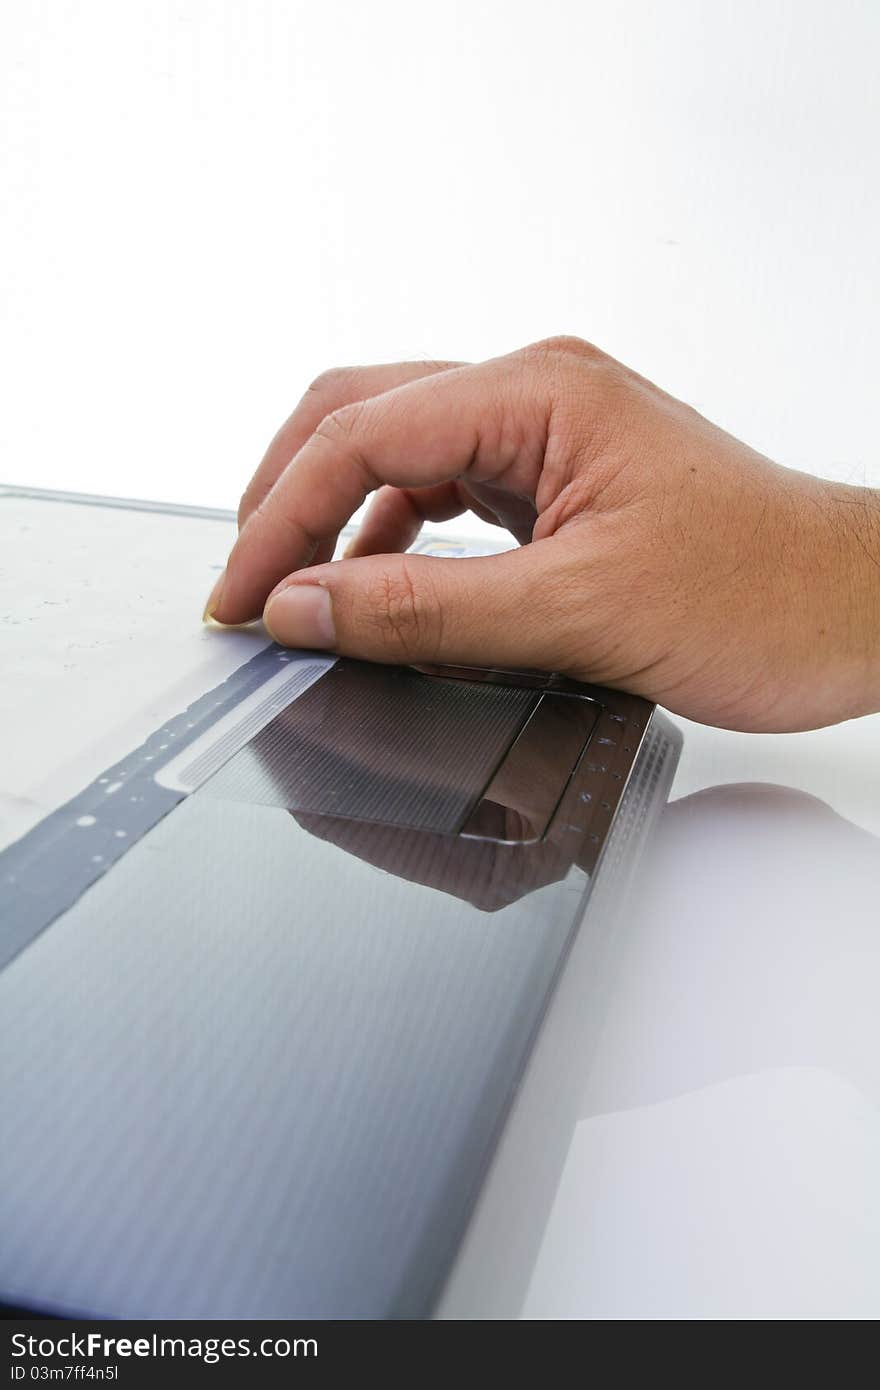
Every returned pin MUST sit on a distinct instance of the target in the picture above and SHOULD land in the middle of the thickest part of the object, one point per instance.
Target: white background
(205, 203)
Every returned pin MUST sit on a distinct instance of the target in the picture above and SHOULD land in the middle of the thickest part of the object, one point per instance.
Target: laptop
(270, 981)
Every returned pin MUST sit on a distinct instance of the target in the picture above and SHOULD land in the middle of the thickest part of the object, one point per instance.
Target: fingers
(502, 508)
(489, 422)
(327, 393)
(395, 516)
(513, 609)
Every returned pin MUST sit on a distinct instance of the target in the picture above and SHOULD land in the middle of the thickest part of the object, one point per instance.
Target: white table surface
(698, 1132)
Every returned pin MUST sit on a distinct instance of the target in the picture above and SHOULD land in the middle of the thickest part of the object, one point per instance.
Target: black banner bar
(54, 1351)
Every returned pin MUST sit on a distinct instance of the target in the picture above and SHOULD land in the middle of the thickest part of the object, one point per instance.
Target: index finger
(328, 392)
(486, 422)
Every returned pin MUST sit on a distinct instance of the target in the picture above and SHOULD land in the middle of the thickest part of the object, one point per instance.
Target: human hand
(658, 554)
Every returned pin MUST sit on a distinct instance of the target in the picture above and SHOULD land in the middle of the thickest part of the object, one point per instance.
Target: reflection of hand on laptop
(667, 558)
(481, 872)
(361, 760)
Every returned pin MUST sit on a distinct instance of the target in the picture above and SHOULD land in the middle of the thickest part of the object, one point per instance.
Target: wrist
(850, 605)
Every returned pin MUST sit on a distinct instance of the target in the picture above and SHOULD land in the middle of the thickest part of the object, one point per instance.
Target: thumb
(509, 609)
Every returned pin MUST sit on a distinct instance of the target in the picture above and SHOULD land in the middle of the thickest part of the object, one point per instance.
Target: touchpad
(396, 746)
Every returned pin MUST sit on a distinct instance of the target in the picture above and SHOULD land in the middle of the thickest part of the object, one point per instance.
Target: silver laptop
(264, 1006)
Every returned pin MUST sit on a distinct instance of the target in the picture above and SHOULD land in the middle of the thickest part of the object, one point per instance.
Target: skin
(657, 553)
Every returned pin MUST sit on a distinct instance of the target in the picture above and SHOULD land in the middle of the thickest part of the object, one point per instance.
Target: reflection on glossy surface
(521, 798)
(748, 958)
(382, 744)
(757, 926)
(486, 874)
(413, 771)
(280, 1075)
(489, 757)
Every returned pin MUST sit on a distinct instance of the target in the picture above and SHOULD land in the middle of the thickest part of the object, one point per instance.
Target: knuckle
(253, 499)
(401, 609)
(565, 345)
(341, 424)
(330, 382)
(246, 505)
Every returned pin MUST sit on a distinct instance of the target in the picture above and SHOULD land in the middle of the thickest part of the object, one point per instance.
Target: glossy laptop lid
(269, 983)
